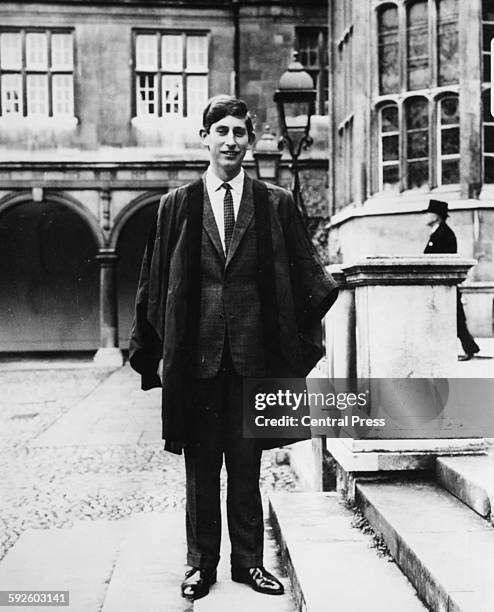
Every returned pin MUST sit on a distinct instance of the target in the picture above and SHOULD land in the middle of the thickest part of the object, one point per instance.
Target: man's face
(432, 219)
(227, 141)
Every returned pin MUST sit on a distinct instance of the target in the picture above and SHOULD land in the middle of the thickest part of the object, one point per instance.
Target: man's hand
(160, 371)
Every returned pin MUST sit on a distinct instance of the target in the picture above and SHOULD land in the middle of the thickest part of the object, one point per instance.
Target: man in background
(443, 240)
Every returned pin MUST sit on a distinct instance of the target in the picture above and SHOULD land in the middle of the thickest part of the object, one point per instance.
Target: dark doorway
(130, 249)
(49, 289)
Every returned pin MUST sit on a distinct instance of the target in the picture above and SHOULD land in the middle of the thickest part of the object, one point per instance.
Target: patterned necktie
(229, 215)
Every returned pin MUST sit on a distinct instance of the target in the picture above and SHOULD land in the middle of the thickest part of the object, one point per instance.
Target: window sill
(61, 123)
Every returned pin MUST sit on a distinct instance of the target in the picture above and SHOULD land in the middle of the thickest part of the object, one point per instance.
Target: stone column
(405, 311)
(340, 329)
(108, 354)
(470, 59)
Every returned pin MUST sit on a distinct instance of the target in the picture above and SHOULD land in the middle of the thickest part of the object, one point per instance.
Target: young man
(230, 288)
(443, 240)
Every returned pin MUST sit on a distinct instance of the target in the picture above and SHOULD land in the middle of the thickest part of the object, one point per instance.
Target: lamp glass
(267, 167)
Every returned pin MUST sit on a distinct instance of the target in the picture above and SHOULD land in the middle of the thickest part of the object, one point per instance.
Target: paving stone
(150, 566)
(79, 560)
(331, 563)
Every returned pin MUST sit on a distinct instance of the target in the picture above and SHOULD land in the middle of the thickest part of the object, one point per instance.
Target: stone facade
(410, 121)
(83, 187)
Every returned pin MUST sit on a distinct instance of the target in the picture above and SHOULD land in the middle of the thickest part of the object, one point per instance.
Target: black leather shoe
(197, 582)
(259, 579)
(466, 357)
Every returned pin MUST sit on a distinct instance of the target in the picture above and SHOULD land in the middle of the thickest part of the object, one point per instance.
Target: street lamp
(295, 99)
(267, 156)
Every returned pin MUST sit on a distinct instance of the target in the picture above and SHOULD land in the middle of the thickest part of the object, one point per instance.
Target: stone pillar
(470, 62)
(405, 311)
(340, 329)
(108, 354)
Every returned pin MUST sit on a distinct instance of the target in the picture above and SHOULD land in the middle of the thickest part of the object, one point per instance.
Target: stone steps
(445, 549)
(330, 563)
(470, 479)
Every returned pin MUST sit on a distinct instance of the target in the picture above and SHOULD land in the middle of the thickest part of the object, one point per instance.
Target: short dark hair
(222, 106)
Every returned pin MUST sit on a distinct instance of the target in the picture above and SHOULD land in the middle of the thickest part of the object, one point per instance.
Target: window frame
(49, 71)
(440, 158)
(162, 72)
(320, 85)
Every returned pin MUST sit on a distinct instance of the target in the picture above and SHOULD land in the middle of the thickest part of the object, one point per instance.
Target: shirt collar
(214, 183)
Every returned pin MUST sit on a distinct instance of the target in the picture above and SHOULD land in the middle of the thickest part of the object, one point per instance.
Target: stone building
(410, 121)
(100, 107)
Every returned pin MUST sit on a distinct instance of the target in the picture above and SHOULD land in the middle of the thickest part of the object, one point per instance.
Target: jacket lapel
(209, 224)
(245, 215)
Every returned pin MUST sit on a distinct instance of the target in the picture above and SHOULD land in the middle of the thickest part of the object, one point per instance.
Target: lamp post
(267, 156)
(295, 99)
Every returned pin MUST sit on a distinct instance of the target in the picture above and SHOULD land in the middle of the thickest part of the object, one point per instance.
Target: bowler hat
(438, 207)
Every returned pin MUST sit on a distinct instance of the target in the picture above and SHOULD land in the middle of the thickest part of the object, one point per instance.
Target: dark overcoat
(294, 288)
(442, 240)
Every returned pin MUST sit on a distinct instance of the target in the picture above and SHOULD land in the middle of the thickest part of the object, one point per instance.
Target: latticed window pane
(146, 52)
(449, 111)
(488, 169)
(391, 177)
(488, 10)
(62, 52)
(172, 95)
(63, 94)
(197, 95)
(172, 55)
(448, 42)
(197, 53)
(450, 141)
(37, 94)
(489, 139)
(389, 118)
(388, 50)
(417, 123)
(11, 94)
(308, 49)
(418, 45)
(146, 94)
(450, 172)
(390, 147)
(10, 51)
(36, 51)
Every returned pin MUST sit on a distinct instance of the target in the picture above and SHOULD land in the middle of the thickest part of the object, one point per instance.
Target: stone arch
(14, 199)
(128, 238)
(143, 200)
(49, 294)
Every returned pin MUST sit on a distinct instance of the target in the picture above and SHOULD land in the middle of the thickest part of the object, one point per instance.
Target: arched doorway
(130, 249)
(49, 292)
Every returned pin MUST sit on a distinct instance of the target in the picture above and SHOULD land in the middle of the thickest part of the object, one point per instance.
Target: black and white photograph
(247, 305)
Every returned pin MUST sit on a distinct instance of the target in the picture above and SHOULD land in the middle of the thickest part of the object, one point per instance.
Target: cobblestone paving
(46, 487)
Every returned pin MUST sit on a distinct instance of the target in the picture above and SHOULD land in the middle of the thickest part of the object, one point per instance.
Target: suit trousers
(467, 342)
(217, 432)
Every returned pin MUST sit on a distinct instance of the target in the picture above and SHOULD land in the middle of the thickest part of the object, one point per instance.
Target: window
(171, 73)
(389, 154)
(312, 45)
(418, 72)
(488, 138)
(389, 71)
(417, 133)
(417, 139)
(448, 58)
(448, 145)
(487, 35)
(38, 82)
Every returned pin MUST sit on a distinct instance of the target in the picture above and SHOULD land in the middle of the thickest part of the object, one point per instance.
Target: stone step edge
(297, 591)
(471, 492)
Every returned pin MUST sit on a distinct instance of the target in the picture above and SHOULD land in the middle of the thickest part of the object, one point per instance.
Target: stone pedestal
(405, 321)
(108, 354)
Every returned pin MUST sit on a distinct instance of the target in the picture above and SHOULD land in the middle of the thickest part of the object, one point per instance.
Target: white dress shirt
(217, 195)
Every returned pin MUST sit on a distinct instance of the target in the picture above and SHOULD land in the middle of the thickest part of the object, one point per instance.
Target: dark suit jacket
(442, 240)
(229, 298)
